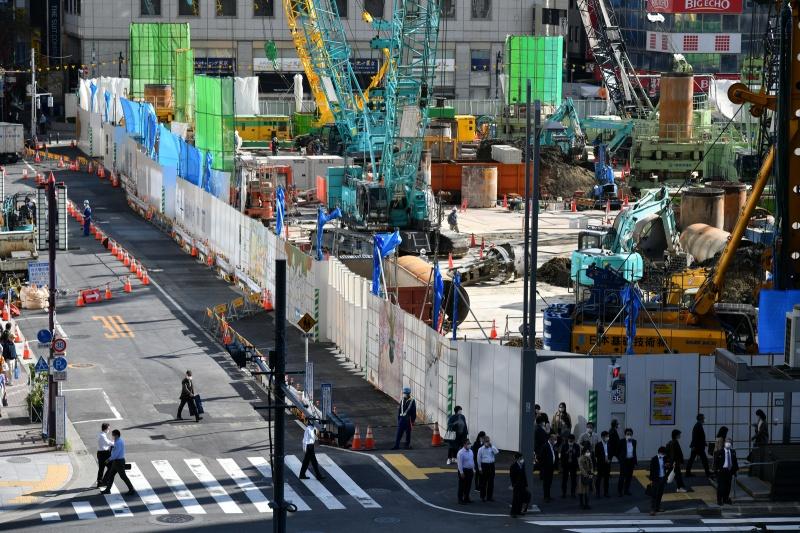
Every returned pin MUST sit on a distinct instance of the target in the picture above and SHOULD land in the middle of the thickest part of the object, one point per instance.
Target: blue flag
(632, 303)
(107, 98)
(438, 294)
(92, 94)
(209, 160)
(280, 206)
(322, 219)
(384, 244)
(456, 287)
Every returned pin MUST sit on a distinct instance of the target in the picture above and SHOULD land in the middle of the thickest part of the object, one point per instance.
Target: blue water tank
(558, 327)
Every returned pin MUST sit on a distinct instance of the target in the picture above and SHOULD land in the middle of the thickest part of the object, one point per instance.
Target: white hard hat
(86, 202)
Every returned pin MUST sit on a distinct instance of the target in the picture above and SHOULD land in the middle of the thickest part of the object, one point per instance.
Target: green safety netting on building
(153, 48)
(539, 59)
(184, 86)
(214, 130)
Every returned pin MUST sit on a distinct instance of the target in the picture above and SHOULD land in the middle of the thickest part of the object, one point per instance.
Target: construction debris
(744, 275)
(559, 178)
(555, 271)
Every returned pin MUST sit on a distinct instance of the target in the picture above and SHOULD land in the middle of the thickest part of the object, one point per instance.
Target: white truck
(11, 142)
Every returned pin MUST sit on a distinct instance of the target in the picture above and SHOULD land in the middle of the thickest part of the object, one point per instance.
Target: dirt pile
(559, 178)
(744, 274)
(555, 271)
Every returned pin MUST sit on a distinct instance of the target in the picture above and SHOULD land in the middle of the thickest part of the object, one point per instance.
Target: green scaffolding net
(184, 86)
(539, 59)
(214, 130)
(153, 56)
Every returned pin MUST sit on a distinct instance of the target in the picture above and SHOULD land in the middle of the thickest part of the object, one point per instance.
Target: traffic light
(614, 376)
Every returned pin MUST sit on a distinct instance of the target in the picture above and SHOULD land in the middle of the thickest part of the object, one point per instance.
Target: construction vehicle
(260, 184)
(563, 129)
(11, 142)
(602, 125)
(17, 235)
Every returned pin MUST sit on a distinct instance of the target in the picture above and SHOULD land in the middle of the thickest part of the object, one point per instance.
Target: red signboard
(694, 6)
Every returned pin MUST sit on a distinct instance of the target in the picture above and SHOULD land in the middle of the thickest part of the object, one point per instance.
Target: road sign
(39, 274)
(59, 375)
(44, 336)
(327, 399)
(59, 345)
(41, 365)
(306, 322)
(60, 364)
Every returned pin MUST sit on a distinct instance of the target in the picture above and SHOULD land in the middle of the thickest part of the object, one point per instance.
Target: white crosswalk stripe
(262, 465)
(145, 491)
(183, 495)
(50, 517)
(346, 482)
(259, 500)
(84, 510)
(117, 503)
(319, 490)
(755, 520)
(212, 486)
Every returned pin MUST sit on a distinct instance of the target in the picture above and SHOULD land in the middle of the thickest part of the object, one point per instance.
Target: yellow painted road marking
(56, 477)
(410, 471)
(124, 325)
(115, 325)
(706, 493)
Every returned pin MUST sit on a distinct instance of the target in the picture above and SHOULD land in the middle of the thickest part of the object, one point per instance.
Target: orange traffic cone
(139, 271)
(194, 250)
(114, 180)
(357, 445)
(108, 292)
(132, 267)
(90, 170)
(127, 260)
(226, 335)
(267, 303)
(369, 440)
(625, 201)
(493, 333)
(573, 206)
(112, 247)
(24, 173)
(98, 235)
(450, 261)
(26, 352)
(5, 312)
(480, 253)
(18, 335)
(61, 162)
(79, 302)
(36, 158)
(127, 287)
(120, 255)
(472, 243)
(101, 172)
(436, 440)
(145, 278)
(210, 260)
(505, 201)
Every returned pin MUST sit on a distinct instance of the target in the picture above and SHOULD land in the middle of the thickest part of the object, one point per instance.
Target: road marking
(117, 503)
(111, 407)
(599, 522)
(56, 477)
(290, 495)
(145, 491)
(122, 326)
(412, 472)
(50, 517)
(116, 326)
(212, 485)
(346, 482)
(756, 520)
(319, 490)
(84, 510)
(182, 494)
(256, 496)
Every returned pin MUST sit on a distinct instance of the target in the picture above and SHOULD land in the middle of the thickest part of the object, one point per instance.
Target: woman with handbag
(456, 434)
(586, 476)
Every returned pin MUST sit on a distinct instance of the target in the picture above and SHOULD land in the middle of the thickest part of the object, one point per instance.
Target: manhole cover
(81, 365)
(386, 520)
(80, 336)
(19, 460)
(174, 518)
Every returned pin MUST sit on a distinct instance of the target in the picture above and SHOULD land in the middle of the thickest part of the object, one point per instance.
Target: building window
(481, 9)
(712, 23)
(448, 9)
(188, 8)
(263, 8)
(226, 8)
(480, 61)
(151, 8)
(730, 22)
(341, 7)
(374, 8)
(551, 17)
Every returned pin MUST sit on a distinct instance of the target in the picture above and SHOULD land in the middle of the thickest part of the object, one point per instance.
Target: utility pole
(279, 518)
(52, 218)
(33, 93)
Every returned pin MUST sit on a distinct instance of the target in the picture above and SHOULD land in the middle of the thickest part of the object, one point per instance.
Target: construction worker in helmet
(87, 217)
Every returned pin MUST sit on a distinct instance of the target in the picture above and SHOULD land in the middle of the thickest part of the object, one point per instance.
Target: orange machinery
(260, 190)
(446, 177)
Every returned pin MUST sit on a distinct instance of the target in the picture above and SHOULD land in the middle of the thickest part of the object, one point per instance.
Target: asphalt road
(127, 357)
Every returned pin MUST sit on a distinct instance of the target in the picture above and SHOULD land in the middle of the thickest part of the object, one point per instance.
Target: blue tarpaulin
(632, 303)
(384, 244)
(456, 289)
(438, 294)
(130, 110)
(168, 148)
(280, 210)
(772, 308)
(151, 128)
(207, 162)
(194, 165)
(93, 91)
(322, 219)
(107, 98)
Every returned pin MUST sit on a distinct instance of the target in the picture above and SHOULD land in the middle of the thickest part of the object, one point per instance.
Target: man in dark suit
(521, 496)
(541, 434)
(675, 458)
(614, 441)
(698, 446)
(659, 468)
(570, 452)
(547, 457)
(602, 460)
(725, 466)
(627, 462)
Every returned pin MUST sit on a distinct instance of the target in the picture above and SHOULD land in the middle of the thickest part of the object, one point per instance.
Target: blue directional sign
(41, 365)
(60, 364)
(44, 336)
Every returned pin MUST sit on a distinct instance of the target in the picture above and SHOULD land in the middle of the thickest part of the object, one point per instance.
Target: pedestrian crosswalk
(203, 486)
(721, 525)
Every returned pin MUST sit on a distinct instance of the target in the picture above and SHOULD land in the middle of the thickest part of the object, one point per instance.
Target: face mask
(588, 454)
(589, 431)
(605, 439)
(727, 444)
(562, 409)
(660, 456)
(628, 437)
(521, 462)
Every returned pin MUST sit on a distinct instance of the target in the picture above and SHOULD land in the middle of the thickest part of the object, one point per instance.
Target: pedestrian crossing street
(772, 523)
(216, 486)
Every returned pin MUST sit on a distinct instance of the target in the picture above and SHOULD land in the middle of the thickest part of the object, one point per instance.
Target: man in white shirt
(466, 469)
(104, 444)
(486, 458)
(309, 438)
